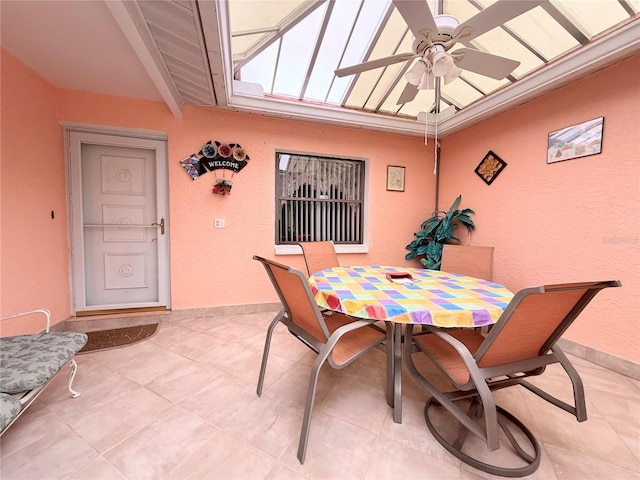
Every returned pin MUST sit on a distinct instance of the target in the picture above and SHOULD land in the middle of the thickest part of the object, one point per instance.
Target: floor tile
(161, 446)
(183, 405)
(51, 457)
(224, 456)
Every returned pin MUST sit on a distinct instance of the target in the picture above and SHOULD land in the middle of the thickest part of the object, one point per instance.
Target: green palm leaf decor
(437, 230)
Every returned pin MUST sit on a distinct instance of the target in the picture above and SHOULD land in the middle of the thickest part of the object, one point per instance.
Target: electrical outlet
(218, 223)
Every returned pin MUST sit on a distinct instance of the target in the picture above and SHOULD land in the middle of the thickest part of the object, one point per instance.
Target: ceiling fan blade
(493, 16)
(408, 94)
(381, 62)
(417, 15)
(483, 63)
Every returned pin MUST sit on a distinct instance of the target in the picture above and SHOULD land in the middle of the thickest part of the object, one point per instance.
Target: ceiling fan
(434, 38)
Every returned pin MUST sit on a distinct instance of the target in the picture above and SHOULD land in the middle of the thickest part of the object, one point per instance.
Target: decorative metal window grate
(319, 198)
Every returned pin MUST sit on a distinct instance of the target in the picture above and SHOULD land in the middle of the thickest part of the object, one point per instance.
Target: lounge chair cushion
(29, 361)
(9, 409)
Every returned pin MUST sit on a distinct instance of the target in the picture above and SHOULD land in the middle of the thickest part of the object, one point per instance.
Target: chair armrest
(44, 311)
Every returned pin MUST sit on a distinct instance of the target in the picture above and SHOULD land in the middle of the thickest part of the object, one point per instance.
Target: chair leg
(265, 353)
(527, 464)
(578, 409)
(72, 375)
(576, 381)
(311, 395)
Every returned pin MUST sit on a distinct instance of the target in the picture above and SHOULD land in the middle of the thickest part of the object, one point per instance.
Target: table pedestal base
(518, 456)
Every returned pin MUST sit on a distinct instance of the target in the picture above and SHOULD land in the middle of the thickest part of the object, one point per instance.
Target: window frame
(290, 249)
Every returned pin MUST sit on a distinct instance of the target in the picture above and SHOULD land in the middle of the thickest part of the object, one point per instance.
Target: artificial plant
(437, 230)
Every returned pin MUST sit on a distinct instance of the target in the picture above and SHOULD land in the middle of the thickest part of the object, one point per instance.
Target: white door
(119, 222)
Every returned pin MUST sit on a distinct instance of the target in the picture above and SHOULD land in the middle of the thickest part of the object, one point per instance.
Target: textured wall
(213, 267)
(573, 220)
(567, 221)
(34, 252)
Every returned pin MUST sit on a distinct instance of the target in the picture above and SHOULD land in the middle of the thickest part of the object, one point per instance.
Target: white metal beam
(132, 23)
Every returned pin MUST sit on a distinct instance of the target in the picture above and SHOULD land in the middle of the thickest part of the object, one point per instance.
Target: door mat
(118, 337)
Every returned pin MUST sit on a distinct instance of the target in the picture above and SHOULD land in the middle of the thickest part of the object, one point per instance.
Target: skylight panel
(423, 102)
(462, 93)
(498, 42)
(396, 38)
(335, 39)
(461, 9)
(543, 33)
(261, 69)
(365, 28)
(594, 15)
(295, 55)
(249, 15)
(486, 84)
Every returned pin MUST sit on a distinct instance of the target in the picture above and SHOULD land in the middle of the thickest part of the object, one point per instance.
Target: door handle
(161, 225)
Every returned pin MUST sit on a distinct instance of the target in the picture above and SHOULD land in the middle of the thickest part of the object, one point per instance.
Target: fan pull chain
(426, 125)
(435, 151)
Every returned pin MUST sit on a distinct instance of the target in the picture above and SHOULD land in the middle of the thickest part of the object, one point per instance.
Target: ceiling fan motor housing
(446, 26)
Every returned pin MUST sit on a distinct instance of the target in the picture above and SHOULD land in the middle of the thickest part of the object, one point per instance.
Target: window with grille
(319, 198)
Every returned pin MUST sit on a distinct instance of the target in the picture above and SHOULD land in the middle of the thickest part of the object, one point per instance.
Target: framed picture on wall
(395, 178)
(575, 141)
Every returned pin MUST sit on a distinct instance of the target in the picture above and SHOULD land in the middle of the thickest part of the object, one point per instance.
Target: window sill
(296, 250)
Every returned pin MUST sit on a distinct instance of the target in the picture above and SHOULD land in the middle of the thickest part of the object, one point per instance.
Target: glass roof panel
(485, 84)
(295, 55)
(261, 69)
(423, 102)
(543, 33)
(461, 9)
(461, 92)
(498, 42)
(335, 39)
(534, 38)
(594, 15)
(395, 39)
(247, 15)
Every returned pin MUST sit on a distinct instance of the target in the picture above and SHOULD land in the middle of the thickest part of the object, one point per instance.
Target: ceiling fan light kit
(428, 81)
(441, 61)
(414, 76)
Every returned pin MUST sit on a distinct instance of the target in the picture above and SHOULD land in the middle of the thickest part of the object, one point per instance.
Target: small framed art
(575, 141)
(490, 167)
(395, 178)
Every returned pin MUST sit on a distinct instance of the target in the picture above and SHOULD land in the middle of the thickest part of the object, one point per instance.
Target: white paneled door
(119, 222)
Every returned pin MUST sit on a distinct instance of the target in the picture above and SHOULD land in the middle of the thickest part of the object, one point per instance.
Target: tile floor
(182, 405)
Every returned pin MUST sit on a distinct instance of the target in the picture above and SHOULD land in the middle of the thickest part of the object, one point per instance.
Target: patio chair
(319, 255)
(474, 261)
(520, 345)
(337, 339)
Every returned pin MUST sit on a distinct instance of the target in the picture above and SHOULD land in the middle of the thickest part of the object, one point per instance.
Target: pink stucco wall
(568, 221)
(211, 267)
(34, 248)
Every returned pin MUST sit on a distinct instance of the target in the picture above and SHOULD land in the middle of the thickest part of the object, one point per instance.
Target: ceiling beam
(135, 28)
(210, 35)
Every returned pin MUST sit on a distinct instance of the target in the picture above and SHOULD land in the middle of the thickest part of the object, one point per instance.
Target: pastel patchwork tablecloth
(432, 298)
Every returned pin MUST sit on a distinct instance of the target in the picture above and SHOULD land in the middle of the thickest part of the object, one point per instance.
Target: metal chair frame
(323, 341)
(319, 255)
(481, 357)
(474, 261)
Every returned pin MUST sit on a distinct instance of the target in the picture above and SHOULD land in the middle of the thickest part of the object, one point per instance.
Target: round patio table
(428, 297)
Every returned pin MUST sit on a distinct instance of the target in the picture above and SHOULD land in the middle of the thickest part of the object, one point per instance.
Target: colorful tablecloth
(432, 298)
